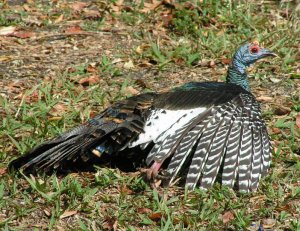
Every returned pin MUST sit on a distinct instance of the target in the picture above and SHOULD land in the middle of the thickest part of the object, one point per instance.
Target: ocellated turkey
(201, 128)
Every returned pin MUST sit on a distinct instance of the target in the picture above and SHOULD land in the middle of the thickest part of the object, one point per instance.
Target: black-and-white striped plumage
(201, 129)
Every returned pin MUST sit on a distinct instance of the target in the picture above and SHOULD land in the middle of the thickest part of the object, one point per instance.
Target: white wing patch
(165, 121)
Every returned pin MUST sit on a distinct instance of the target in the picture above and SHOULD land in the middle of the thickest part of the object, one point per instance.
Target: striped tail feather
(190, 138)
(266, 160)
(231, 159)
(256, 159)
(201, 153)
(208, 166)
(244, 167)
(215, 157)
(219, 144)
(150, 157)
(183, 152)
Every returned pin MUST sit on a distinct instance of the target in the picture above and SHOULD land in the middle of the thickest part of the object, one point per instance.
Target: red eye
(254, 49)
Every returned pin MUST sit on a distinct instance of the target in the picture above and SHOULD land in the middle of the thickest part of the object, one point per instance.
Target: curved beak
(266, 52)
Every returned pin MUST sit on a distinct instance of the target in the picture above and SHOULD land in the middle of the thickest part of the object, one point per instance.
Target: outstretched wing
(227, 135)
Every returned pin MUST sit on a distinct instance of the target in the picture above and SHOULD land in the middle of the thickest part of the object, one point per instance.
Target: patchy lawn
(63, 61)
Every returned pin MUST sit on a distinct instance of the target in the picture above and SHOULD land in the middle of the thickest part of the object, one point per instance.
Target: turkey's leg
(153, 170)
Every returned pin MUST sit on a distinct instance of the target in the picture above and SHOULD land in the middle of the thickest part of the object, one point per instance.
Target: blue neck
(237, 74)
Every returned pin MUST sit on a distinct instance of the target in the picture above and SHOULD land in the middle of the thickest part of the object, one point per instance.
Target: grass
(168, 45)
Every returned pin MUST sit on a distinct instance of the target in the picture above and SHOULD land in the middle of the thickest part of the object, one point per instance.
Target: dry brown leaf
(116, 9)
(126, 190)
(139, 50)
(78, 6)
(131, 90)
(3, 171)
(179, 61)
(155, 216)
(115, 225)
(23, 34)
(264, 99)
(145, 63)
(275, 80)
(59, 19)
(142, 83)
(32, 21)
(221, 32)
(150, 6)
(212, 64)
(226, 61)
(110, 224)
(16, 87)
(282, 110)
(129, 65)
(276, 130)
(167, 18)
(74, 30)
(268, 223)
(33, 97)
(258, 198)
(47, 213)
(91, 68)
(157, 183)
(89, 80)
(144, 210)
(55, 118)
(227, 216)
(8, 30)
(71, 69)
(5, 58)
(68, 213)
(92, 14)
(57, 110)
(27, 8)
(298, 120)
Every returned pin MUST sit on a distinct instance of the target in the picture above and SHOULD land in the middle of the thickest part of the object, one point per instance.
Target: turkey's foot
(155, 174)
(152, 172)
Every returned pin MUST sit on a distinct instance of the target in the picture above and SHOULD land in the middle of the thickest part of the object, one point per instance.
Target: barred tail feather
(256, 159)
(219, 144)
(201, 155)
(244, 168)
(182, 152)
(231, 159)
(215, 158)
(266, 152)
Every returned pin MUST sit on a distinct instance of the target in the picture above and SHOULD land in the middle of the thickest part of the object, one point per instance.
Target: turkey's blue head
(246, 55)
